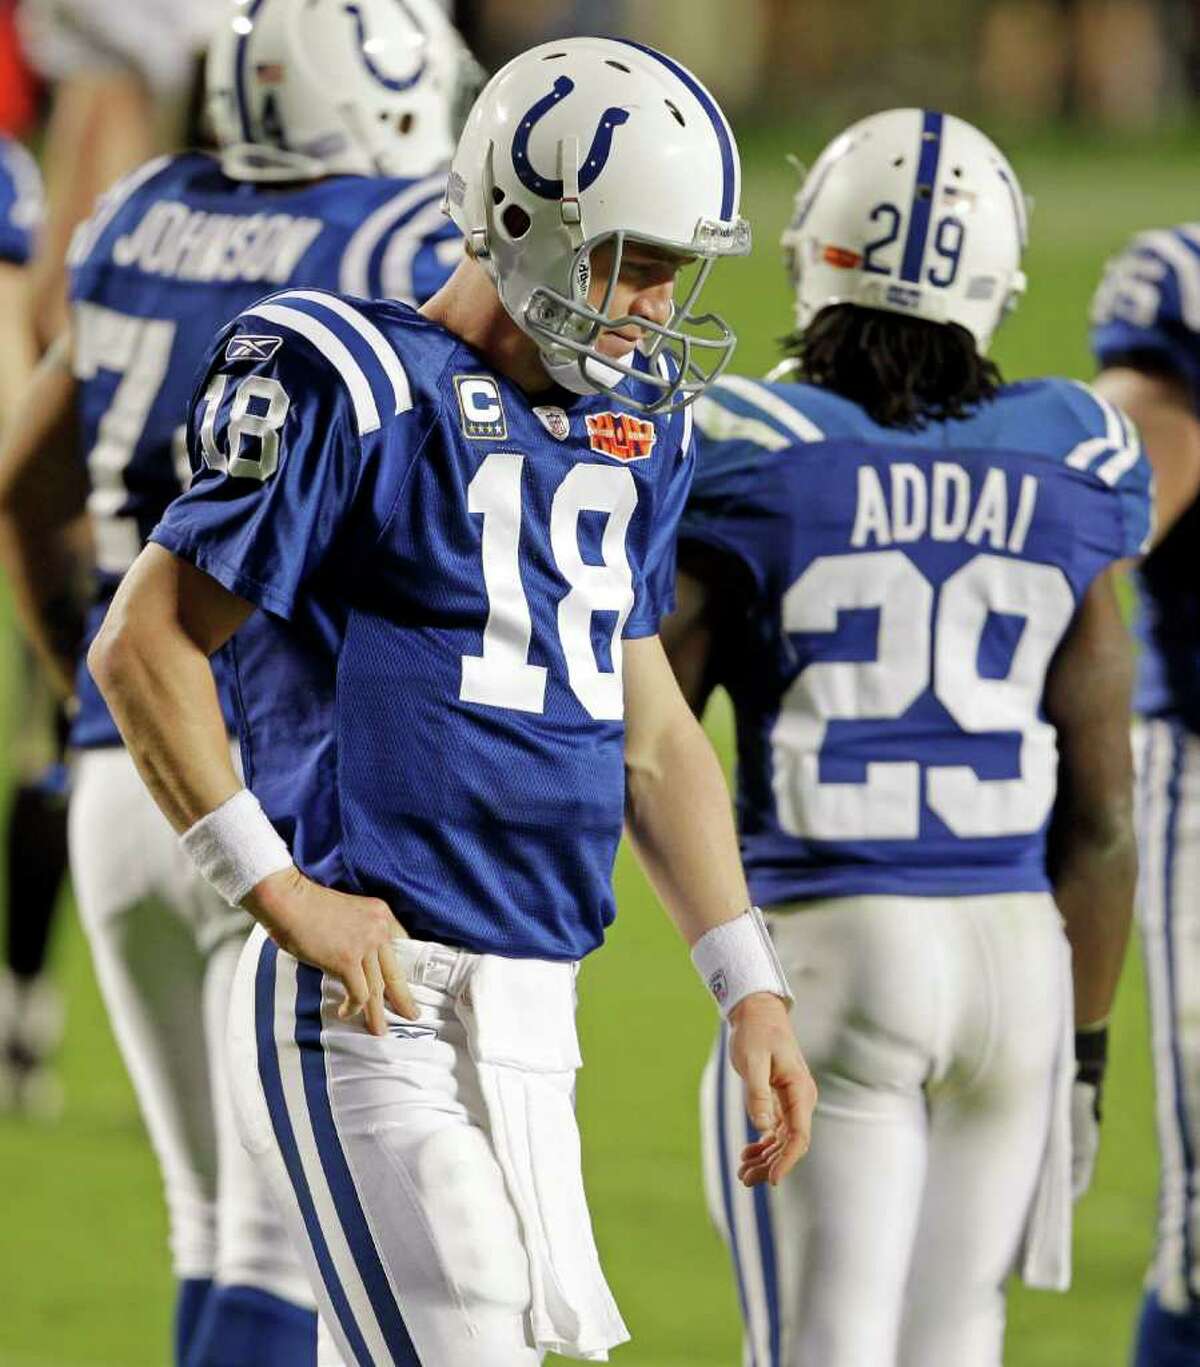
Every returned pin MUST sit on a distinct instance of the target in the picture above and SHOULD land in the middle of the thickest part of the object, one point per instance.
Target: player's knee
(472, 1219)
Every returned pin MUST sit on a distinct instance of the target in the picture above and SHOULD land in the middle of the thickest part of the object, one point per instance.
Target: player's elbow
(116, 657)
(1101, 836)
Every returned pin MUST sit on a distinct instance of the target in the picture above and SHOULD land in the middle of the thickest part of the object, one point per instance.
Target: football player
(1146, 337)
(329, 175)
(458, 525)
(30, 1012)
(902, 571)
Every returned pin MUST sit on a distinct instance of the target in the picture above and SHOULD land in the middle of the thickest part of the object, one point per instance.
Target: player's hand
(1085, 1136)
(348, 937)
(780, 1092)
(1091, 1061)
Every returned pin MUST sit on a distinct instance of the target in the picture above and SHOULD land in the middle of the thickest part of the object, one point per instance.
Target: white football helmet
(304, 88)
(592, 141)
(914, 212)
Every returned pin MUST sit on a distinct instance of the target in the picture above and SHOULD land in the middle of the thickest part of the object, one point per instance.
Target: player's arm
(688, 634)
(43, 491)
(679, 818)
(151, 662)
(1161, 406)
(102, 125)
(1092, 850)
(228, 545)
(1092, 853)
(17, 343)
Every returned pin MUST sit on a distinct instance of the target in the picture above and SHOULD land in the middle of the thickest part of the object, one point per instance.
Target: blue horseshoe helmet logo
(388, 82)
(593, 163)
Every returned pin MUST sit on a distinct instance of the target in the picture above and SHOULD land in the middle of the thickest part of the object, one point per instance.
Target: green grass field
(84, 1278)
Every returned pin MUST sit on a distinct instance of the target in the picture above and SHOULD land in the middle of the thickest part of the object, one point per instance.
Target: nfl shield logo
(554, 420)
(718, 985)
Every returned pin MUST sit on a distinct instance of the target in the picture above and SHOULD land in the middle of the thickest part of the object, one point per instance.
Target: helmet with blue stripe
(299, 89)
(590, 143)
(914, 212)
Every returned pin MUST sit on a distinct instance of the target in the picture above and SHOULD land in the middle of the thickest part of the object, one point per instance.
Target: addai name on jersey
(447, 578)
(910, 590)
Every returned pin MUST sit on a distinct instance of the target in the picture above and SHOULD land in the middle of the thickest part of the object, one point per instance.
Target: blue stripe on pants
(269, 1072)
(727, 1187)
(337, 1171)
(766, 1251)
(1181, 1113)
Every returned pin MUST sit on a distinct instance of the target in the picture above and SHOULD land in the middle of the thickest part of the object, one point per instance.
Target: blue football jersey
(904, 594)
(1148, 305)
(430, 705)
(171, 255)
(20, 201)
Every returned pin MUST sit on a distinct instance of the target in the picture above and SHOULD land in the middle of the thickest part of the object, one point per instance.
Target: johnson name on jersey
(907, 593)
(1147, 310)
(448, 572)
(21, 203)
(174, 252)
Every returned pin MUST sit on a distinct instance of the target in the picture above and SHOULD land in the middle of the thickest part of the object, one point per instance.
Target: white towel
(1045, 1256)
(519, 1016)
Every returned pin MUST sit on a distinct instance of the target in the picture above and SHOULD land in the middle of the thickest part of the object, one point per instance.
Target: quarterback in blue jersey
(36, 836)
(1146, 337)
(901, 569)
(171, 255)
(458, 525)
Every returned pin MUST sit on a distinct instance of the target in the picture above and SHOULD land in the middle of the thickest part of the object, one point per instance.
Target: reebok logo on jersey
(621, 435)
(247, 348)
(481, 407)
(554, 420)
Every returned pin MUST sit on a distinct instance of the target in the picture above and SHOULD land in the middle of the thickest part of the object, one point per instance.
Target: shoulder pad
(348, 341)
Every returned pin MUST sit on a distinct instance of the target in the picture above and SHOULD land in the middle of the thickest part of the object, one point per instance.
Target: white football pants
(165, 948)
(933, 1029)
(1168, 763)
(379, 1152)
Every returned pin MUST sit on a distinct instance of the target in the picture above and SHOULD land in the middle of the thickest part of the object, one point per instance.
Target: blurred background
(1096, 103)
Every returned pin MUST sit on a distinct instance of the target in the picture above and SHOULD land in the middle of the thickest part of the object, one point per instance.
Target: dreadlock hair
(905, 372)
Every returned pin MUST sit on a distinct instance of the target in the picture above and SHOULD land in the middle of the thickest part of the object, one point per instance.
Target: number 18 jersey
(905, 593)
(430, 704)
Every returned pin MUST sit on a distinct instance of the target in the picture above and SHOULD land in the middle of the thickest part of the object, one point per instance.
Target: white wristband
(235, 846)
(737, 958)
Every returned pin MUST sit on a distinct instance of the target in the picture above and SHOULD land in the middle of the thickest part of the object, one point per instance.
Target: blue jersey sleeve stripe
(1172, 250)
(355, 274)
(729, 161)
(335, 351)
(392, 271)
(379, 345)
(1116, 466)
(1120, 443)
(719, 424)
(782, 413)
(929, 154)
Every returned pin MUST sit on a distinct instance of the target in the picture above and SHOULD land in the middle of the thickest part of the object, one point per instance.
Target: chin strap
(592, 377)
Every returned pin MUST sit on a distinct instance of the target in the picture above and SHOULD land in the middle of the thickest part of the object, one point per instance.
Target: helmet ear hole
(516, 222)
(406, 123)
